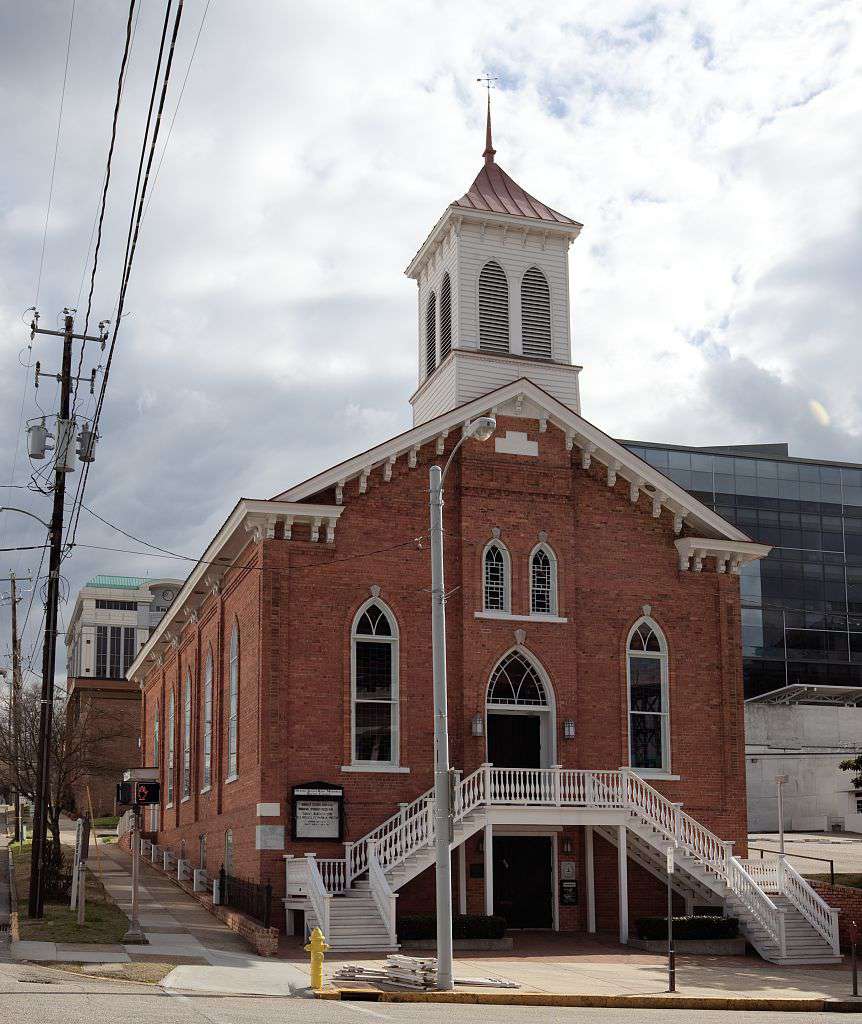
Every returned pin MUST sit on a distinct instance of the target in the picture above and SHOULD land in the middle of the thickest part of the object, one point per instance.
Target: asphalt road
(33, 995)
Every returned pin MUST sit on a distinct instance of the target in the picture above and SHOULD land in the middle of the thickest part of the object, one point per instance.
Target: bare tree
(81, 738)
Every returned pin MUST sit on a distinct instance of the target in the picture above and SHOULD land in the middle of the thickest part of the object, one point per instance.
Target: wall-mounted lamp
(477, 726)
(567, 845)
(480, 846)
(569, 728)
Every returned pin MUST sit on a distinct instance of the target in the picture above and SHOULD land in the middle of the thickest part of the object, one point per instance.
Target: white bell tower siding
(494, 338)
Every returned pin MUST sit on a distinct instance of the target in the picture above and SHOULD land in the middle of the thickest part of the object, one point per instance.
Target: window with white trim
(187, 737)
(154, 809)
(445, 317)
(171, 728)
(495, 578)
(233, 705)
(228, 851)
(535, 315)
(543, 581)
(208, 722)
(493, 309)
(430, 334)
(649, 735)
(375, 686)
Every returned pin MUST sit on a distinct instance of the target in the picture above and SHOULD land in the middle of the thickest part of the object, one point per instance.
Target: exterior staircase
(353, 899)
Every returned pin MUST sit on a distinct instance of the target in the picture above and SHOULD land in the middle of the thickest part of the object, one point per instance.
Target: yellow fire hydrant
(317, 947)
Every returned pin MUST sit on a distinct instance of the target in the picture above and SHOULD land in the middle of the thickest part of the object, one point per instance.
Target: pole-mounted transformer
(87, 439)
(37, 439)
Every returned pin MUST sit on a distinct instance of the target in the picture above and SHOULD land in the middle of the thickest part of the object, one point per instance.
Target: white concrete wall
(806, 743)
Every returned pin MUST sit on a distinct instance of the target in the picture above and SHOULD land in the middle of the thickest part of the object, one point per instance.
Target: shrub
(464, 926)
(688, 928)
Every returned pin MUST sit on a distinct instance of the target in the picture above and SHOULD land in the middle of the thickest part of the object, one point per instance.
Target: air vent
(493, 309)
(536, 315)
(445, 318)
(431, 335)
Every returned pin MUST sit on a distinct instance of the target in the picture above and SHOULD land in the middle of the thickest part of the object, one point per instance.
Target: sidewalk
(179, 930)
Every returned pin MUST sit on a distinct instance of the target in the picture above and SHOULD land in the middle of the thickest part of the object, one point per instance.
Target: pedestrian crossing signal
(129, 793)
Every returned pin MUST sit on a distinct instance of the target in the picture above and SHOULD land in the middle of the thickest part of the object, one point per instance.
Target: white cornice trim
(251, 518)
(730, 555)
(583, 435)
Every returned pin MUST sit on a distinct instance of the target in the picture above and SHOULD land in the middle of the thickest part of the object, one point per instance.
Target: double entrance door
(523, 865)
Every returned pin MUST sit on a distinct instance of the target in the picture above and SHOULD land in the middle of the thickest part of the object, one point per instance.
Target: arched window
(493, 309)
(445, 317)
(431, 334)
(233, 705)
(228, 851)
(154, 810)
(187, 737)
(496, 578)
(171, 729)
(535, 315)
(649, 734)
(208, 722)
(543, 581)
(516, 683)
(374, 644)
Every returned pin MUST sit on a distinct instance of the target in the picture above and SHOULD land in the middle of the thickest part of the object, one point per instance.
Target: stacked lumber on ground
(418, 973)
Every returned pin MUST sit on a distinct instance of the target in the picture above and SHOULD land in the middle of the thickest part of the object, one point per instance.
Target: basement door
(523, 880)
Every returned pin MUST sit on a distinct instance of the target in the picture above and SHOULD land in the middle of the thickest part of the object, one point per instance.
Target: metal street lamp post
(780, 781)
(481, 428)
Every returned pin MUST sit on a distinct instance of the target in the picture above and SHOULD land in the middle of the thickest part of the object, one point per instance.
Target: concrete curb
(660, 1001)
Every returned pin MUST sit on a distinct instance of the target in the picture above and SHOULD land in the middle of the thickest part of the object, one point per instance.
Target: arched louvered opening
(536, 315)
(493, 309)
(445, 317)
(431, 334)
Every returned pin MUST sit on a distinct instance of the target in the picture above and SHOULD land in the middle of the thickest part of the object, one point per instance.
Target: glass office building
(802, 605)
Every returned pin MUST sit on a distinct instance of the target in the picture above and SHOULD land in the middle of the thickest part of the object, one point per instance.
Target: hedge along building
(593, 623)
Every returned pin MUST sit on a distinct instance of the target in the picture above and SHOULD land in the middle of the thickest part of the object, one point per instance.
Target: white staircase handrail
(809, 903)
(757, 903)
(382, 892)
(333, 871)
(317, 894)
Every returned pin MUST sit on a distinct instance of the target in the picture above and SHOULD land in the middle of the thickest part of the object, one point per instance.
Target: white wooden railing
(384, 897)
(317, 894)
(334, 874)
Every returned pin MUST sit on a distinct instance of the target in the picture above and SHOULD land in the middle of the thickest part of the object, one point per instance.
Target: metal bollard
(854, 939)
(317, 947)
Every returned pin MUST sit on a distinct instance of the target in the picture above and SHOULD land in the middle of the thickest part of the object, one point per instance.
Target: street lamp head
(482, 428)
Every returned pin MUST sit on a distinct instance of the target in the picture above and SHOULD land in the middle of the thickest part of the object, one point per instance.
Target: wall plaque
(318, 811)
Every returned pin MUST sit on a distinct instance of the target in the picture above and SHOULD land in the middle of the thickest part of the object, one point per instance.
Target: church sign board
(318, 811)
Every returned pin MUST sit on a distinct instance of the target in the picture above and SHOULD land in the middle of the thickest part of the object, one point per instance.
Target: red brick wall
(115, 716)
(848, 901)
(295, 618)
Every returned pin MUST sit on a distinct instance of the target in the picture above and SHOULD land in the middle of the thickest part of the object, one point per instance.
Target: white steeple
(493, 281)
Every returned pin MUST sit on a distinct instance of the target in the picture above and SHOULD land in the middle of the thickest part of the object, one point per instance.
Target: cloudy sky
(712, 151)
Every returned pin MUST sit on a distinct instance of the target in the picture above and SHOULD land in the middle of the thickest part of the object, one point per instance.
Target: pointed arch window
(516, 683)
(208, 722)
(493, 309)
(496, 578)
(233, 706)
(649, 719)
(445, 317)
(171, 733)
(374, 664)
(187, 737)
(535, 315)
(431, 334)
(543, 581)
(154, 810)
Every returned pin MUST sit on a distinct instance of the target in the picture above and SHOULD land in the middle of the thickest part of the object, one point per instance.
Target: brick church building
(593, 645)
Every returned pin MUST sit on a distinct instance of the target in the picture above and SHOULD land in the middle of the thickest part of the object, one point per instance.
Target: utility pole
(63, 464)
(15, 694)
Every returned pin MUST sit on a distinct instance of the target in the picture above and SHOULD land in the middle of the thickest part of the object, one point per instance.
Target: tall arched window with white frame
(207, 744)
(535, 315)
(430, 334)
(649, 717)
(445, 317)
(233, 706)
(493, 308)
(374, 664)
(543, 581)
(154, 810)
(496, 578)
(187, 737)
(171, 734)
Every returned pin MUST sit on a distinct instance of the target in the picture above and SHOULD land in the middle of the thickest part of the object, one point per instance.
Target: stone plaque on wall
(318, 811)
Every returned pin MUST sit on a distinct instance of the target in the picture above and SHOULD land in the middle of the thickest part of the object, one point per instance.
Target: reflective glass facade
(802, 605)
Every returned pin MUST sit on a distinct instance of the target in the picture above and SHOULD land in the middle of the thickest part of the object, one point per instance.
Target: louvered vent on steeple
(445, 317)
(493, 309)
(431, 334)
(536, 315)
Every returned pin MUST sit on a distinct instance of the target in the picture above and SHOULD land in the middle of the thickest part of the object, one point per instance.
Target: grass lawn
(851, 878)
(109, 821)
(104, 921)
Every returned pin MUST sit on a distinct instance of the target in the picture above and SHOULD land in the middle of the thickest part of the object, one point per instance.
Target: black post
(832, 873)
(222, 886)
(49, 645)
(854, 938)
(671, 958)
